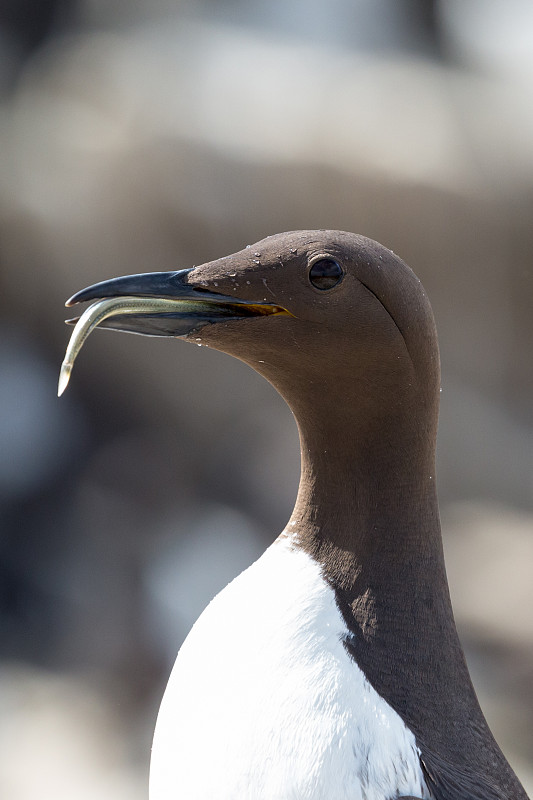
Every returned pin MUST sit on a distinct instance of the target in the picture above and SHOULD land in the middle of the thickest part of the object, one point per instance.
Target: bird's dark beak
(154, 304)
(195, 306)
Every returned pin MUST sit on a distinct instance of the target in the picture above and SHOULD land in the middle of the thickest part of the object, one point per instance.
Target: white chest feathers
(264, 702)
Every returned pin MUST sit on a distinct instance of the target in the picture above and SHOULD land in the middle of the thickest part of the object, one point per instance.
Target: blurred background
(154, 135)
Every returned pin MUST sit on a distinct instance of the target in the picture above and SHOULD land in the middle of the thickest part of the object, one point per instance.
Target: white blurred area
(139, 136)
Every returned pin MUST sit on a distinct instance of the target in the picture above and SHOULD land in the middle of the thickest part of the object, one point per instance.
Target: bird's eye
(325, 273)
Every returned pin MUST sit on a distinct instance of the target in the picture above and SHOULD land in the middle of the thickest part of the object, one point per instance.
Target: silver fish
(110, 307)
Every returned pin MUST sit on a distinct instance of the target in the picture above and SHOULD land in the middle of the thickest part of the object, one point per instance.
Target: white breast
(264, 703)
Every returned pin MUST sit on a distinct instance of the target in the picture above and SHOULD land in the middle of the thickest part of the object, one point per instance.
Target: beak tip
(72, 301)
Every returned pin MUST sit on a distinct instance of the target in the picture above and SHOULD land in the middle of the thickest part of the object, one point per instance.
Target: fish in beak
(153, 304)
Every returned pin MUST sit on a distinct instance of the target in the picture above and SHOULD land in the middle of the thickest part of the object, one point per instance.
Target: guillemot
(331, 668)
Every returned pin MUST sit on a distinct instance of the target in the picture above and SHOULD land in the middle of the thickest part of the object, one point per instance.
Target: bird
(331, 668)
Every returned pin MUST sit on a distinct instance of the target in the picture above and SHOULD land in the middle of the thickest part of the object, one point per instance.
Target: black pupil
(325, 273)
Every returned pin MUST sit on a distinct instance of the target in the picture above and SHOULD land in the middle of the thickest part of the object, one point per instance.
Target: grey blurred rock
(59, 739)
(489, 553)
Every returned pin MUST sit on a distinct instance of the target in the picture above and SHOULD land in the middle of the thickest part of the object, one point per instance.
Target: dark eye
(325, 273)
